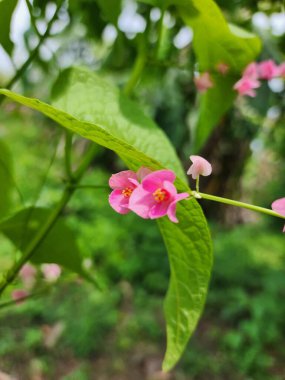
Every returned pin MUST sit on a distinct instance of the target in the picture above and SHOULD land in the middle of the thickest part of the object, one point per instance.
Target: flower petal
(118, 202)
(158, 210)
(143, 172)
(171, 212)
(200, 166)
(279, 206)
(155, 180)
(121, 180)
(141, 202)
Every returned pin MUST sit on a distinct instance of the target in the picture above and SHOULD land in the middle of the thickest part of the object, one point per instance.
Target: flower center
(127, 192)
(160, 195)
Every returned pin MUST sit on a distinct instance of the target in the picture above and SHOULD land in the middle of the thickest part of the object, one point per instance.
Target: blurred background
(74, 331)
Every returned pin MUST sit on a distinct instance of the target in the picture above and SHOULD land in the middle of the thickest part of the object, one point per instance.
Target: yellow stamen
(127, 192)
(160, 195)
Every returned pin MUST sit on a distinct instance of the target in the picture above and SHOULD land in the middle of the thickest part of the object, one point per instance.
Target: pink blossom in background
(251, 71)
(123, 184)
(246, 86)
(51, 272)
(200, 166)
(19, 295)
(156, 196)
(28, 275)
(222, 68)
(267, 69)
(279, 207)
(203, 82)
(281, 70)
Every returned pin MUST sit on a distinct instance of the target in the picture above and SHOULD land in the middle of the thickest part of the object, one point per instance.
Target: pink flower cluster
(28, 276)
(150, 195)
(204, 80)
(255, 72)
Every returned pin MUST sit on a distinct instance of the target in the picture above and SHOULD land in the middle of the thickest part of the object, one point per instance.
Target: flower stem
(136, 73)
(68, 149)
(236, 203)
(197, 184)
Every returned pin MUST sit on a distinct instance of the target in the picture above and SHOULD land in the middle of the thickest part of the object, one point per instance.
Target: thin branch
(34, 53)
(50, 222)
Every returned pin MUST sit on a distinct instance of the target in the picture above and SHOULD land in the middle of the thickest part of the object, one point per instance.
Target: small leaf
(6, 10)
(58, 247)
(6, 183)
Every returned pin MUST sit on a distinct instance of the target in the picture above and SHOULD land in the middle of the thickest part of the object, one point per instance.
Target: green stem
(29, 296)
(197, 183)
(47, 226)
(136, 73)
(67, 149)
(231, 202)
(160, 33)
(33, 54)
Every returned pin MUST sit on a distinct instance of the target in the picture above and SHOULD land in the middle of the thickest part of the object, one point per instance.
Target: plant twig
(231, 202)
(50, 222)
(33, 54)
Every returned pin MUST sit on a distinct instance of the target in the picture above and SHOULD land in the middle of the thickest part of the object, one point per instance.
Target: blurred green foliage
(242, 332)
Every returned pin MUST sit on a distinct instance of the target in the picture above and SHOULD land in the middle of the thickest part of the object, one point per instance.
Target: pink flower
(267, 69)
(27, 275)
(200, 166)
(123, 185)
(281, 70)
(222, 68)
(251, 71)
(19, 295)
(51, 272)
(203, 82)
(246, 86)
(156, 196)
(279, 207)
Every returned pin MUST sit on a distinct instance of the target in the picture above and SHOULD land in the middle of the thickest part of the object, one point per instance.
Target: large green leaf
(6, 10)
(58, 247)
(214, 42)
(6, 182)
(94, 109)
(190, 265)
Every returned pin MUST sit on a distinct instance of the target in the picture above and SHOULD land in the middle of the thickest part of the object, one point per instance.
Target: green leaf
(155, 3)
(58, 247)
(190, 264)
(214, 42)
(93, 108)
(213, 104)
(110, 10)
(6, 182)
(6, 10)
